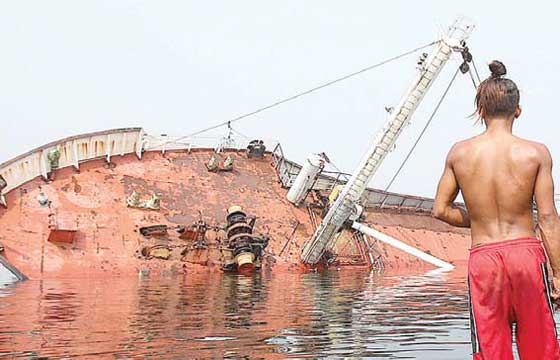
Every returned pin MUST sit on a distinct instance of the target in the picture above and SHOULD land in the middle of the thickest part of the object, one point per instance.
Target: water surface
(331, 315)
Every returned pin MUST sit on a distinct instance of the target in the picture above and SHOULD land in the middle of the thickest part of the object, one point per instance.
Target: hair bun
(497, 69)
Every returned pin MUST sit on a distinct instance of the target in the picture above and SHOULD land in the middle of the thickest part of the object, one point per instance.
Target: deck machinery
(346, 203)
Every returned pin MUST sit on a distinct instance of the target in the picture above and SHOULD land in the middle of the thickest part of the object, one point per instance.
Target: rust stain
(77, 187)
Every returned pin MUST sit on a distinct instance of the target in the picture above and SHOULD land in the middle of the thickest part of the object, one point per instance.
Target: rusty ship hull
(75, 219)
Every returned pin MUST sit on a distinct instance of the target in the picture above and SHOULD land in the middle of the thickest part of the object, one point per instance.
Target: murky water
(333, 315)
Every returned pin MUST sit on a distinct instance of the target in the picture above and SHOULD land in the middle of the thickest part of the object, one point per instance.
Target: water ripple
(333, 315)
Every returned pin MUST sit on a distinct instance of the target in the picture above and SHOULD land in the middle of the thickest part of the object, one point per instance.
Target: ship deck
(90, 202)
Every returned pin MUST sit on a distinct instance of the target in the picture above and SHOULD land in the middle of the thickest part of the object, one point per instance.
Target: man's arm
(447, 191)
(548, 221)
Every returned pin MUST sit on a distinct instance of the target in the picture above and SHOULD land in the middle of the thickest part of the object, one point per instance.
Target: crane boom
(345, 204)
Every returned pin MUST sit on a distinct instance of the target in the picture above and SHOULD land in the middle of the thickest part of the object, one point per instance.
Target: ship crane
(346, 204)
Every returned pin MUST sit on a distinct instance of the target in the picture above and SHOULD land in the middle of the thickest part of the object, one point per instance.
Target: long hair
(496, 96)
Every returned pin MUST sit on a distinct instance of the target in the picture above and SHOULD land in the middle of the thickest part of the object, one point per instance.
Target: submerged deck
(90, 201)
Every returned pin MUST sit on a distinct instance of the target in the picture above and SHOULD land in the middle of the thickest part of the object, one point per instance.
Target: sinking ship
(124, 202)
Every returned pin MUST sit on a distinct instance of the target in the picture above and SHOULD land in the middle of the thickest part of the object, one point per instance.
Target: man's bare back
(497, 173)
(500, 177)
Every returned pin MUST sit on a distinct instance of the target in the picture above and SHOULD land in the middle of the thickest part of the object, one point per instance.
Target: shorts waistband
(505, 244)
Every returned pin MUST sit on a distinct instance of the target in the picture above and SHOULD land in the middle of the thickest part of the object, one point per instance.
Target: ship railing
(288, 170)
(70, 151)
(328, 180)
(379, 199)
(165, 142)
(285, 169)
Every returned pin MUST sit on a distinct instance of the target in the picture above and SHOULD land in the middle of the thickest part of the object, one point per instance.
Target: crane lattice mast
(345, 204)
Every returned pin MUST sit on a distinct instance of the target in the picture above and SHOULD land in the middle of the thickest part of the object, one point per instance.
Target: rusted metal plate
(62, 236)
(189, 234)
(157, 251)
(153, 230)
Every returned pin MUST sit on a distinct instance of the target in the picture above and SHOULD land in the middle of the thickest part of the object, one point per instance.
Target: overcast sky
(69, 67)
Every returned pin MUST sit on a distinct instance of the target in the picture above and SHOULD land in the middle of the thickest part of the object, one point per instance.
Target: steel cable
(476, 71)
(293, 97)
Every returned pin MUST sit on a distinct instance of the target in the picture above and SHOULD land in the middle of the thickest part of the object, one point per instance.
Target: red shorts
(508, 283)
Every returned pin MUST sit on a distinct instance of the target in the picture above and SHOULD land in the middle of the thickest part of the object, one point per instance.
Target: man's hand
(555, 296)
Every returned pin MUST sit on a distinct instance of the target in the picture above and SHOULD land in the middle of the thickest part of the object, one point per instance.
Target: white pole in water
(345, 204)
(402, 246)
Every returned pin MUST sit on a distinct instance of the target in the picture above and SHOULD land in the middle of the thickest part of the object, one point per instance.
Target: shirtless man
(499, 175)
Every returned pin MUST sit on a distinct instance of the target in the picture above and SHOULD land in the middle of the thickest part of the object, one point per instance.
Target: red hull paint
(93, 202)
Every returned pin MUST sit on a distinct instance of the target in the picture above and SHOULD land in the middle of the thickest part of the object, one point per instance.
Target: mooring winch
(244, 250)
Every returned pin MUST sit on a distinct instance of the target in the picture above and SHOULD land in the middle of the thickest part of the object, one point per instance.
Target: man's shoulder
(461, 148)
(533, 148)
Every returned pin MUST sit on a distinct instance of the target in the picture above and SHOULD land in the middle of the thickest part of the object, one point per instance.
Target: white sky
(69, 67)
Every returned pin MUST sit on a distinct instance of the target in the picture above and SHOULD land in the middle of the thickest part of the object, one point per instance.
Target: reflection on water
(6, 276)
(337, 314)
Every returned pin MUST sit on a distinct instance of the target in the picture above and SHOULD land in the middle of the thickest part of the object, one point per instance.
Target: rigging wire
(293, 97)
(472, 76)
(346, 176)
(473, 79)
(403, 163)
(476, 71)
(240, 134)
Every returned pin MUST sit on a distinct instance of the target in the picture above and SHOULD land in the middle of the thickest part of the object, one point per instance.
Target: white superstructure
(305, 178)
